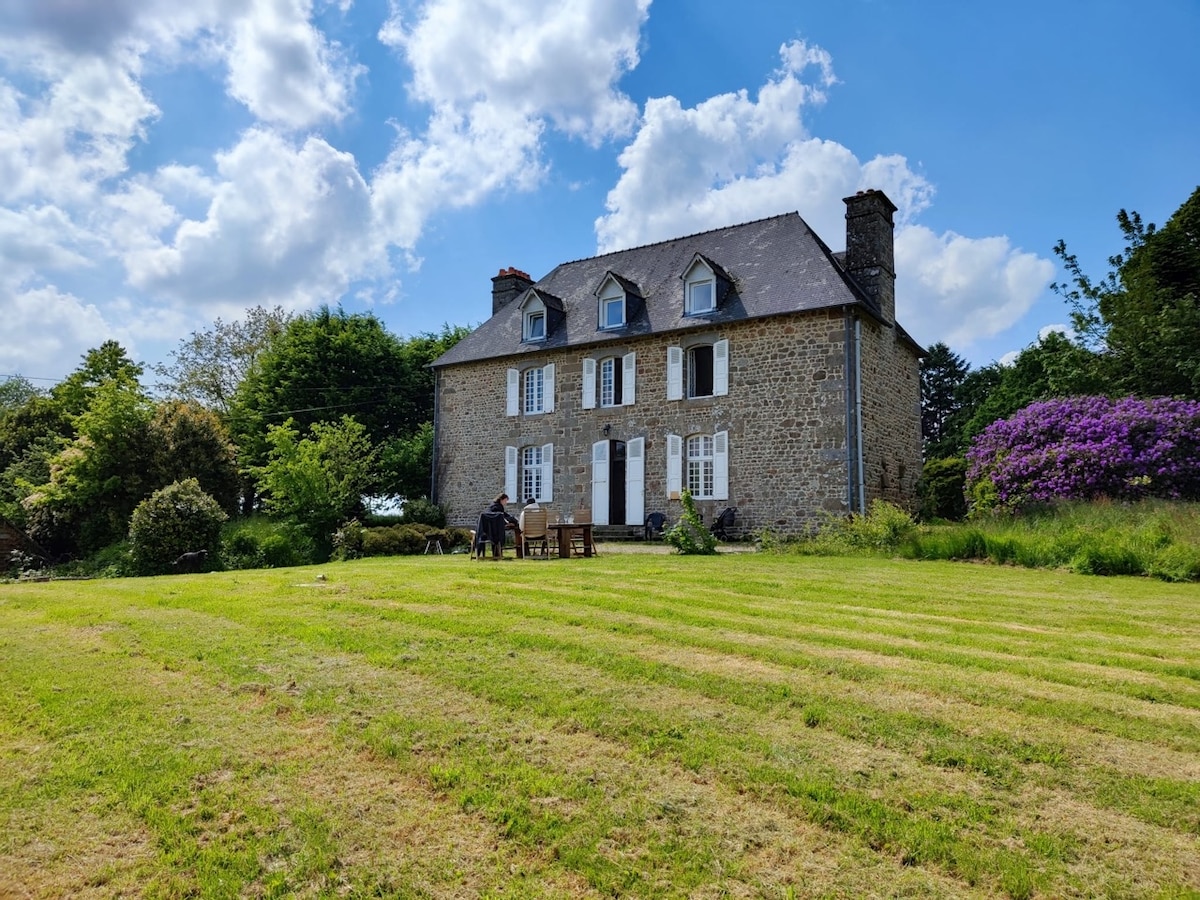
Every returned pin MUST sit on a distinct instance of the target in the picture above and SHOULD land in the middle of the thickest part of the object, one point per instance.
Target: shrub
(260, 542)
(173, 520)
(423, 511)
(1083, 448)
(688, 535)
(353, 540)
(943, 484)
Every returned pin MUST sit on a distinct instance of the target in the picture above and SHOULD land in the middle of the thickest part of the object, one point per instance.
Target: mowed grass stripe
(582, 662)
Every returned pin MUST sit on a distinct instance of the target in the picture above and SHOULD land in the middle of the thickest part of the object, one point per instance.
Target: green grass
(630, 725)
(1154, 538)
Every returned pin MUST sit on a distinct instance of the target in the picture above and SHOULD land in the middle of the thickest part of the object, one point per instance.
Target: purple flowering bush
(1085, 448)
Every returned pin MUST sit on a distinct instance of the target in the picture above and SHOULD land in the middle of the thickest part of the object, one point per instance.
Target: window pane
(533, 391)
(700, 371)
(701, 296)
(613, 313)
(606, 382)
(531, 473)
(536, 326)
(700, 466)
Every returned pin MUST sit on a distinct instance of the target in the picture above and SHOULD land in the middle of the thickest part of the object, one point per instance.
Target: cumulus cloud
(959, 289)
(287, 223)
(734, 157)
(495, 76)
(284, 69)
(45, 327)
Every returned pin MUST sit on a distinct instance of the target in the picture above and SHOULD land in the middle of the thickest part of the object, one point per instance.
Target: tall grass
(1154, 538)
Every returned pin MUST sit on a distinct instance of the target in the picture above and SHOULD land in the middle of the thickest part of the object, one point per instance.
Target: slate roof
(776, 265)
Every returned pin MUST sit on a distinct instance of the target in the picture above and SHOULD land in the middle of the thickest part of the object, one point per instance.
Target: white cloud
(46, 331)
(283, 68)
(557, 59)
(958, 289)
(496, 75)
(287, 224)
(732, 158)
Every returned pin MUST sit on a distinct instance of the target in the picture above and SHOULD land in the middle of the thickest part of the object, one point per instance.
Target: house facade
(749, 365)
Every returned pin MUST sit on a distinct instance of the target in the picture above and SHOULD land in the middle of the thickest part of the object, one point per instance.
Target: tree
(191, 442)
(105, 363)
(318, 481)
(942, 372)
(1144, 316)
(15, 392)
(209, 366)
(100, 476)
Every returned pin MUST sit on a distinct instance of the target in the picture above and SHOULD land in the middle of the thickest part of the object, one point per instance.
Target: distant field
(632, 725)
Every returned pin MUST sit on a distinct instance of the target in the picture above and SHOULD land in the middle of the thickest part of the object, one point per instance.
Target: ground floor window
(531, 473)
(700, 469)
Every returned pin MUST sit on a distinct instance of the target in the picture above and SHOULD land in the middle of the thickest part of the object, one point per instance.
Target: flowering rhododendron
(1082, 448)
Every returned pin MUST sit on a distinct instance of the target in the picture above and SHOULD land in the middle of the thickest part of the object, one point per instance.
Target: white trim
(510, 472)
(720, 368)
(548, 388)
(674, 466)
(721, 465)
(589, 383)
(514, 392)
(629, 364)
(674, 373)
(635, 481)
(547, 474)
(600, 482)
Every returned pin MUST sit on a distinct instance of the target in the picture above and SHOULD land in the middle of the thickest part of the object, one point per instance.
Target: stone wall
(786, 414)
(891, 416)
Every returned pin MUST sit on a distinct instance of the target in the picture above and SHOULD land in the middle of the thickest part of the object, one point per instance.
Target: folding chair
(578, 548)
(720, 528)
(534, 531)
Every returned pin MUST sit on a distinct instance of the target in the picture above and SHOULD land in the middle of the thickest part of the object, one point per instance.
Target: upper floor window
(535, 325)
(612, 305)
(700, 288)
(700, 371)
(535, 391)
(531, 391)
(610, 382)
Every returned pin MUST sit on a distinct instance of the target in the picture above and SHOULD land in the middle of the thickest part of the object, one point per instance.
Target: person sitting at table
(492, 523)
(531, 505)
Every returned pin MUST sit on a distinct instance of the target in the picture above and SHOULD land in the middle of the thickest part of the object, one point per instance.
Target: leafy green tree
(100, 476)
(209, 366)
(177, 519)
(191, 442)
(1144, 316)
(15, 392)
(318, 481)
(942, 372)
(103, 364)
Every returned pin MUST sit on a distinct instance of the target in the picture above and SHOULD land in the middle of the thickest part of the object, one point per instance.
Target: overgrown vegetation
(634, 726)
(689, 535)
(179, 518)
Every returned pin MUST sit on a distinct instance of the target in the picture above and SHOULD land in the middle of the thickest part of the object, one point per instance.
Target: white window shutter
(674, 465)
(547, 474)
(600, 482)
(674, 373)
(720, 368)
(629, 361)
(514, 392)
(548, 387)
(589, 384)
(635, 481)
(510, 473)
(721, 465)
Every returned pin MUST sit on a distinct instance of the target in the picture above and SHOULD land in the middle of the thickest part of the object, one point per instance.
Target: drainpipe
(858, 399)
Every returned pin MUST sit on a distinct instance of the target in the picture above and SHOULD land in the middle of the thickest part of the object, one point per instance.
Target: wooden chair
(534, 531)
(582, 515)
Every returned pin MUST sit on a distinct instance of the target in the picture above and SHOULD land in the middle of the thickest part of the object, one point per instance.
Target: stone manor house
(749, 365)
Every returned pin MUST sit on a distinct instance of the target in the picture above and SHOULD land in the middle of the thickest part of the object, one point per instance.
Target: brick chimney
(508, 286)
(870, 257)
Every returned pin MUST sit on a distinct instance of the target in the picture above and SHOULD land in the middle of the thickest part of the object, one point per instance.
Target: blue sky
(164, 164)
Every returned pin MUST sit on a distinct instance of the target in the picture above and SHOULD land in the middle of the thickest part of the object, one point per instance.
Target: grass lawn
(630, 725)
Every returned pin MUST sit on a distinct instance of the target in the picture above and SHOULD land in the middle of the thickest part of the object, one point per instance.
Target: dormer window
(535, 325)
(613, 310)
(700, 288)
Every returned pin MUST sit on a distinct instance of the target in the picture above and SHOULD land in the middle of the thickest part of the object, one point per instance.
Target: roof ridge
(682, 237)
